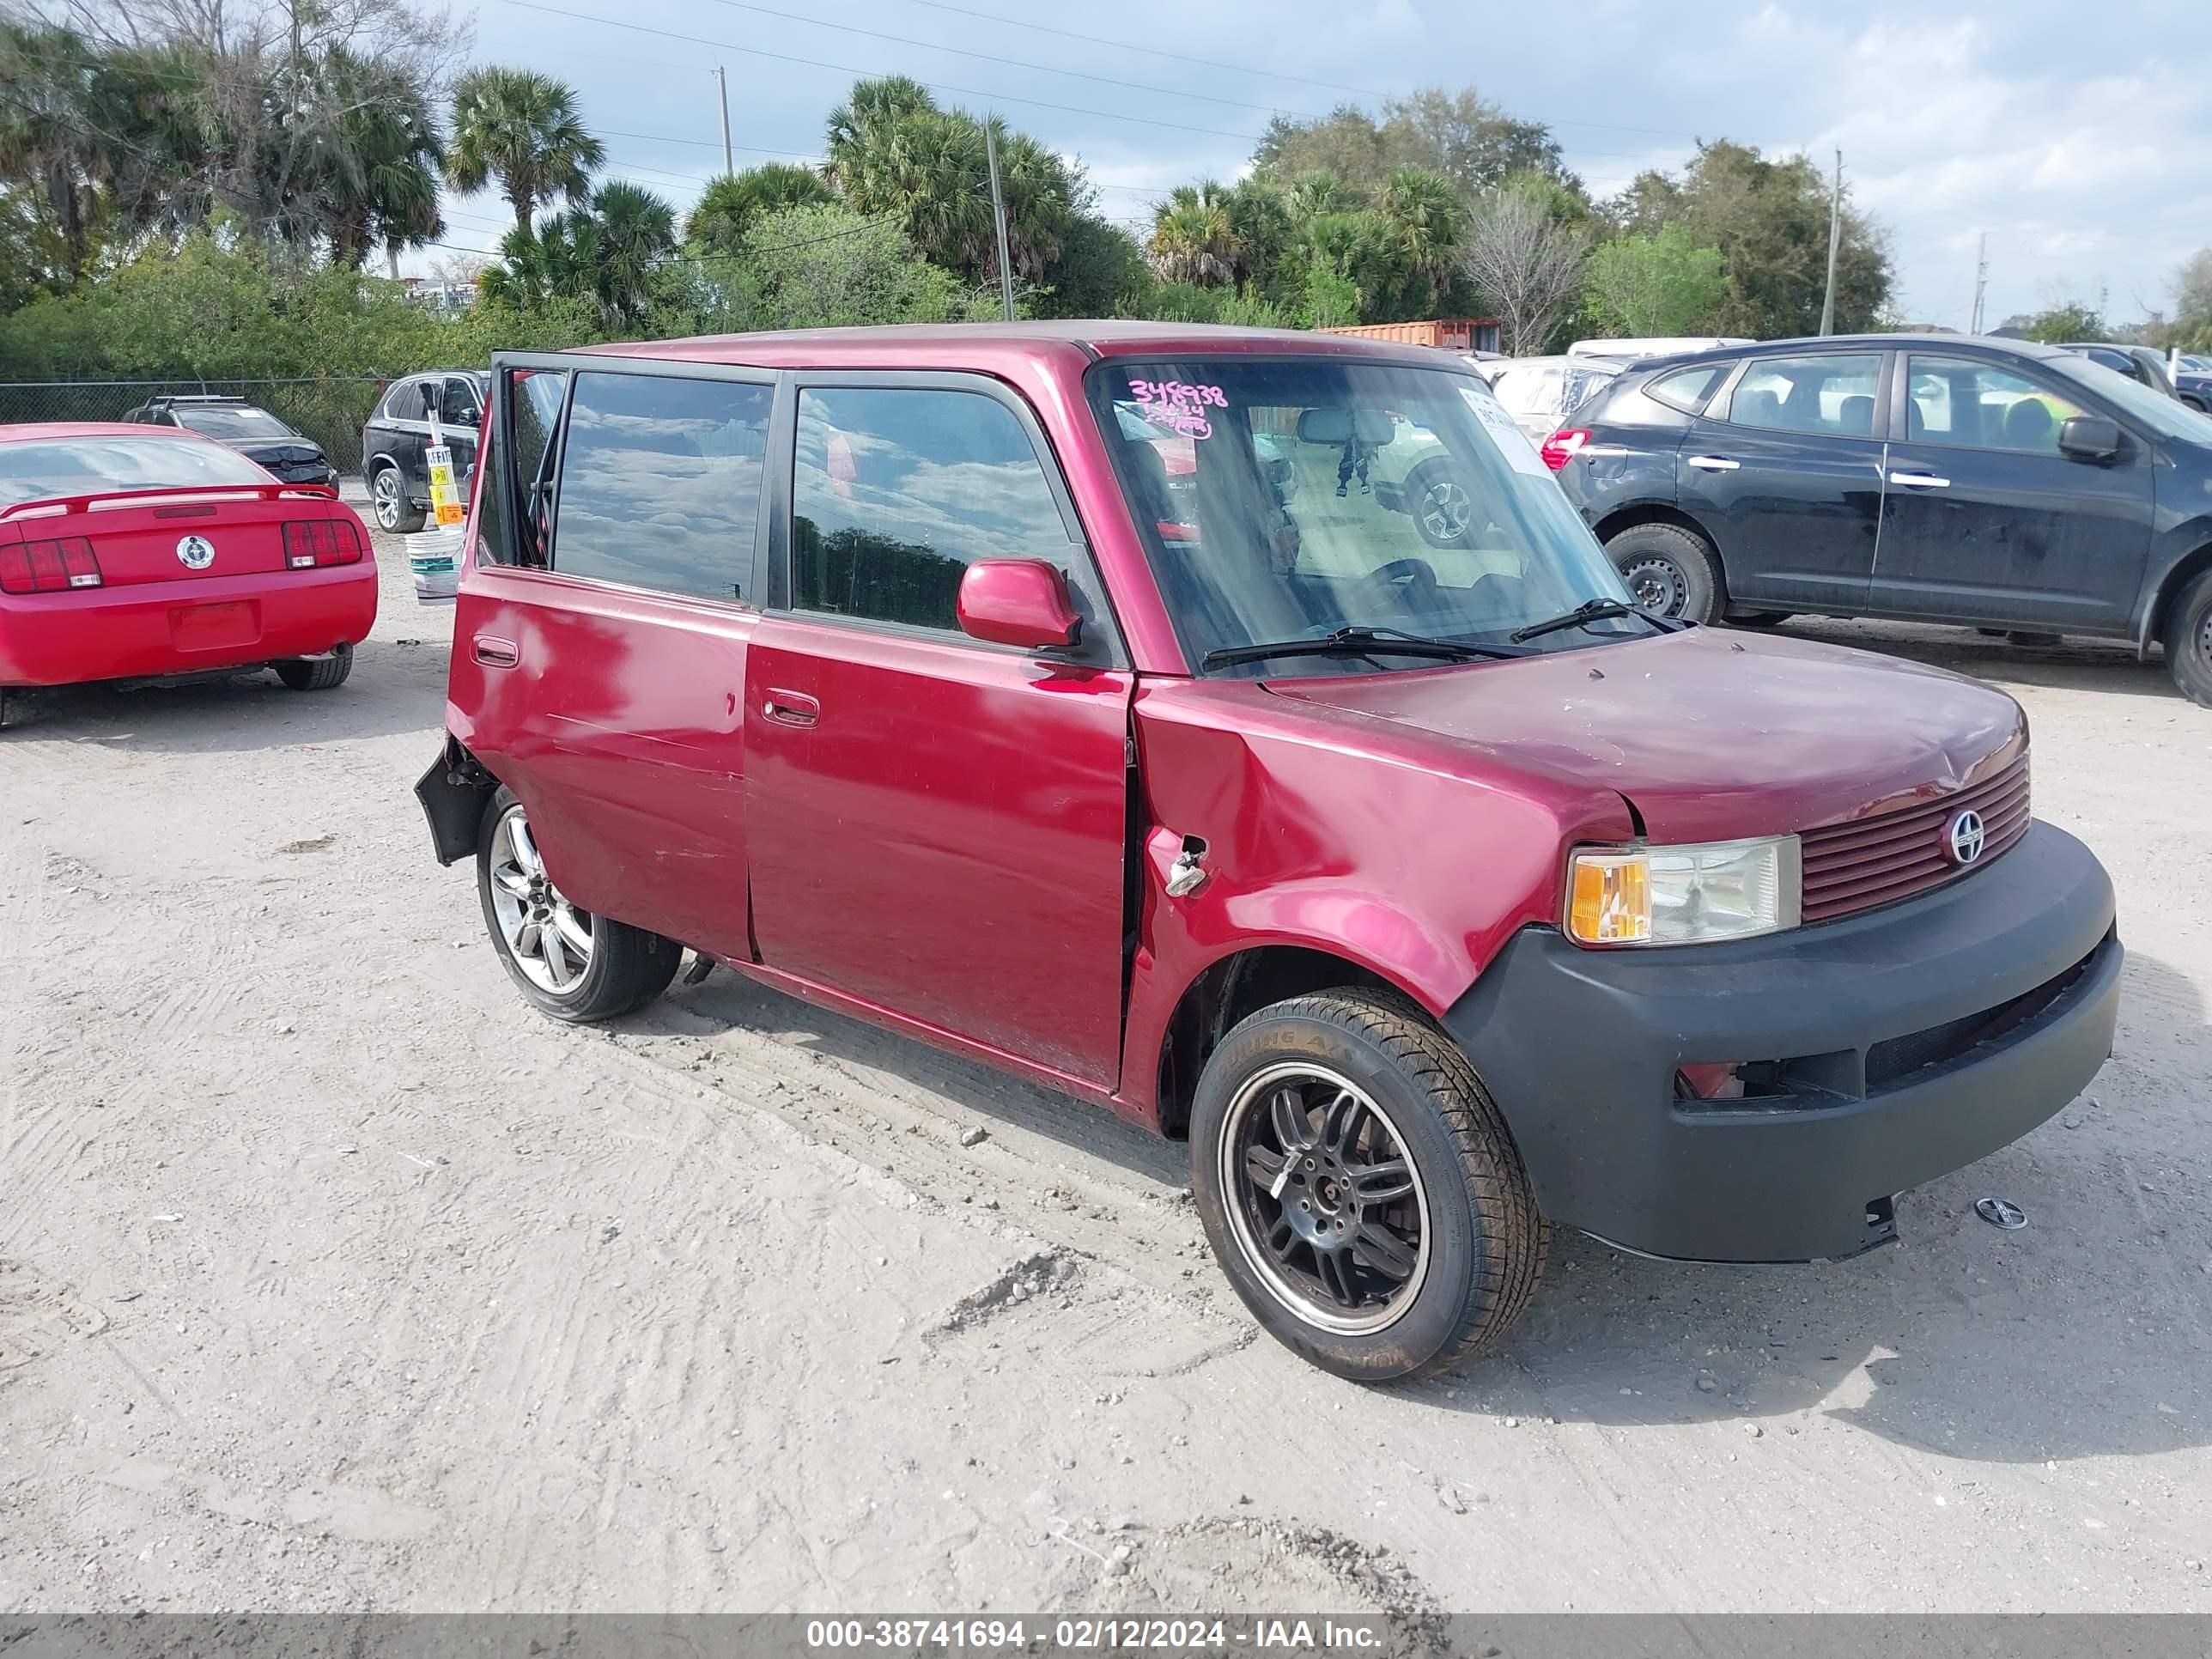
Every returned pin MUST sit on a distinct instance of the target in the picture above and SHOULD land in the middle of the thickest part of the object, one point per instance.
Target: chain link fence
(329, 411)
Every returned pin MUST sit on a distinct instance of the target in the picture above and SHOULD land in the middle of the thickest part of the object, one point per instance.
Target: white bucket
(434, 558)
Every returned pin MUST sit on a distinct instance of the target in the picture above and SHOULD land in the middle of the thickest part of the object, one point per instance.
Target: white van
(1630, 350)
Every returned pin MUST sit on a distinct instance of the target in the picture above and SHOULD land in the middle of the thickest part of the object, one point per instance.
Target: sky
(2073, 135)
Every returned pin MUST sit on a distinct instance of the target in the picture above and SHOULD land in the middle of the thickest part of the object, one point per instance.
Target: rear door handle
(496, 652)
(791, 707)
(1714, 462)
(1919, 481)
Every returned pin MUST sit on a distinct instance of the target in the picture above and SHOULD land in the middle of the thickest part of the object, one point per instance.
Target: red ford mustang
(132, 552)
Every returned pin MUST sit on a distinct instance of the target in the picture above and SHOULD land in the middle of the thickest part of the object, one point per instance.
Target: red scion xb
(1335, 809)
(130, 552)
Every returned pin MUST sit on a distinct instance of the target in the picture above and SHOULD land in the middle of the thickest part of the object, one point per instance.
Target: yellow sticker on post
(446, 504)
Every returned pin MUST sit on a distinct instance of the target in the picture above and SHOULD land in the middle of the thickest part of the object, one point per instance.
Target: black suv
(399, 432)
(274, 446)
(2001, 485)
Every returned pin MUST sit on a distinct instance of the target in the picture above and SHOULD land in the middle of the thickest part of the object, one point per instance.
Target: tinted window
(460, 406)
(895, 492)
(660, 482)
(1831, 396)
(403, 402)
(1955, 400)
(1686, 388)
(83, 466)
(231, 421)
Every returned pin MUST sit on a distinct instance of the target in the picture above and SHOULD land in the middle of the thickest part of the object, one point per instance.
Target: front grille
(1854, 867)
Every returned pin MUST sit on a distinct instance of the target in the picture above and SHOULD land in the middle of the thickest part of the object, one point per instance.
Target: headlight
(1684, 894)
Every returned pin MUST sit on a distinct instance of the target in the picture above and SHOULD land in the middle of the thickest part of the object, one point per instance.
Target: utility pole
(1835, 236)
(722, 80)
(999, 217)
(1981, 279)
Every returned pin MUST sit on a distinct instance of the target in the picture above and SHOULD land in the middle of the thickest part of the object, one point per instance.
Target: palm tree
(376, 173)
(1193, 239)
(729, 206)
(864, 131)
(1312, 194)
(1428, 218)
(46, 140)
(521, 128)
(604, 254)
(636, 230)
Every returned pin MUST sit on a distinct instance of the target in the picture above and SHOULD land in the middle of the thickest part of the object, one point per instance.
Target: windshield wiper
(1590, 611)
(1358, 642)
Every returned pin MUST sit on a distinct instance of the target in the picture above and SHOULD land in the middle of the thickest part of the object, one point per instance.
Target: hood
(1710, 734)
(289, 452)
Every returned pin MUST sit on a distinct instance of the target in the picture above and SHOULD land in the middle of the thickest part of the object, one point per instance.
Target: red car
(130, 552)
(1435, 894)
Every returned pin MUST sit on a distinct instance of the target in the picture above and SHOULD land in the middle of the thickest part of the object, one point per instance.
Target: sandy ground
(333, 1277)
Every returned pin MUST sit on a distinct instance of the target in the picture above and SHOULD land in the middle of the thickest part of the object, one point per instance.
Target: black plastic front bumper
(1581, 1047)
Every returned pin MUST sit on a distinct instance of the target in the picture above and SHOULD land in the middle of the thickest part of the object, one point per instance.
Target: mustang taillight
(310, 542)
(48, 567)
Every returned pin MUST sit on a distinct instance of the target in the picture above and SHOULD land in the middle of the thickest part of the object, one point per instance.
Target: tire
(1457, 1216)
(1441, 505)
(1759, 618)
(621, 967)
(2189, 639)
(1670, 571)
(317, 674)
(387, 501)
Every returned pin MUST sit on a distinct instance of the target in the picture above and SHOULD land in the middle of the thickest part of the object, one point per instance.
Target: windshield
(232, 421)
(2167, 417)
(1287, 499)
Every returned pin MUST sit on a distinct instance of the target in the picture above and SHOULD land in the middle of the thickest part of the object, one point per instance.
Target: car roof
(982, 345)
(32, 429)
(1808, 344)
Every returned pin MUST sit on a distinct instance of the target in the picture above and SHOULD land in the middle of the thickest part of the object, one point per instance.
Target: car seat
(1855, 416)
(2029, 424)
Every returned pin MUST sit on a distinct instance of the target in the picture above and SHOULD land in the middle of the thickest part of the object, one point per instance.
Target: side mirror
(2088, 437)
(1017, 602)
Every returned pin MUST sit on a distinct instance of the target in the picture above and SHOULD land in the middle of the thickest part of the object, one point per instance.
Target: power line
(1010, 63)
(847, 69)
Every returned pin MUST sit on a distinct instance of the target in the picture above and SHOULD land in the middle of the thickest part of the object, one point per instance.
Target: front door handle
(791, 707)
(1714, 462)
(495, 652)
(1919, 481)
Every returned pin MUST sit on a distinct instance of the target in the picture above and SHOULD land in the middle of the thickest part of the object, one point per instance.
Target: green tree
(828, 267)
(522, 129)
(1101, 272)
(606, 254)
(1471, 141)
(2067, 320)
(728, 207)
(1193, 239)
(1428, 220)
(376, 179)
(1770, 220)
(1662, 284)
(48, 138)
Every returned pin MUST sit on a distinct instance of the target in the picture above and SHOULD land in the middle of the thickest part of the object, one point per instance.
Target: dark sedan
(1996, 485)
(279, 448)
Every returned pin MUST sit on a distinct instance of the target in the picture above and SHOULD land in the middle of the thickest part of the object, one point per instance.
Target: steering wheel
(1410, 584)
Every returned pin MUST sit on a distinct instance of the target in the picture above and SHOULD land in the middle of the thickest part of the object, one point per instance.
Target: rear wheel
(1670, 571)
(2189, 639)
(387, 496)
(574, 965)
(1359, 1188)
(316, 673)
(1442, 506)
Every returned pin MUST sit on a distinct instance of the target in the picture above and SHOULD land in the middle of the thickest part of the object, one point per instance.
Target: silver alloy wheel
(1657, 585)
(549, 939)
(384, 492)
(1322, 1195)
(1446, 510)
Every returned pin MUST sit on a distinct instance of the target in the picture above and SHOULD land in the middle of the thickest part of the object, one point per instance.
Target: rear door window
(659, 482)
(1829, 395)
(896, 490)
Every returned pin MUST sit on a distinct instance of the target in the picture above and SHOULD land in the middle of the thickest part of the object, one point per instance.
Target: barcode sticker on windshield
(1512, 443)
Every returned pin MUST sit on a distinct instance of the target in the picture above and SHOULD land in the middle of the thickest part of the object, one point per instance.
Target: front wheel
(1360, 1189)
(2188, 641)
(1670, 572)
(387, 497)
(574, 965)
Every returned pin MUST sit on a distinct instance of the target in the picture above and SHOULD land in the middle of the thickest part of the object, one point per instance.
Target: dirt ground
(333, 1277)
